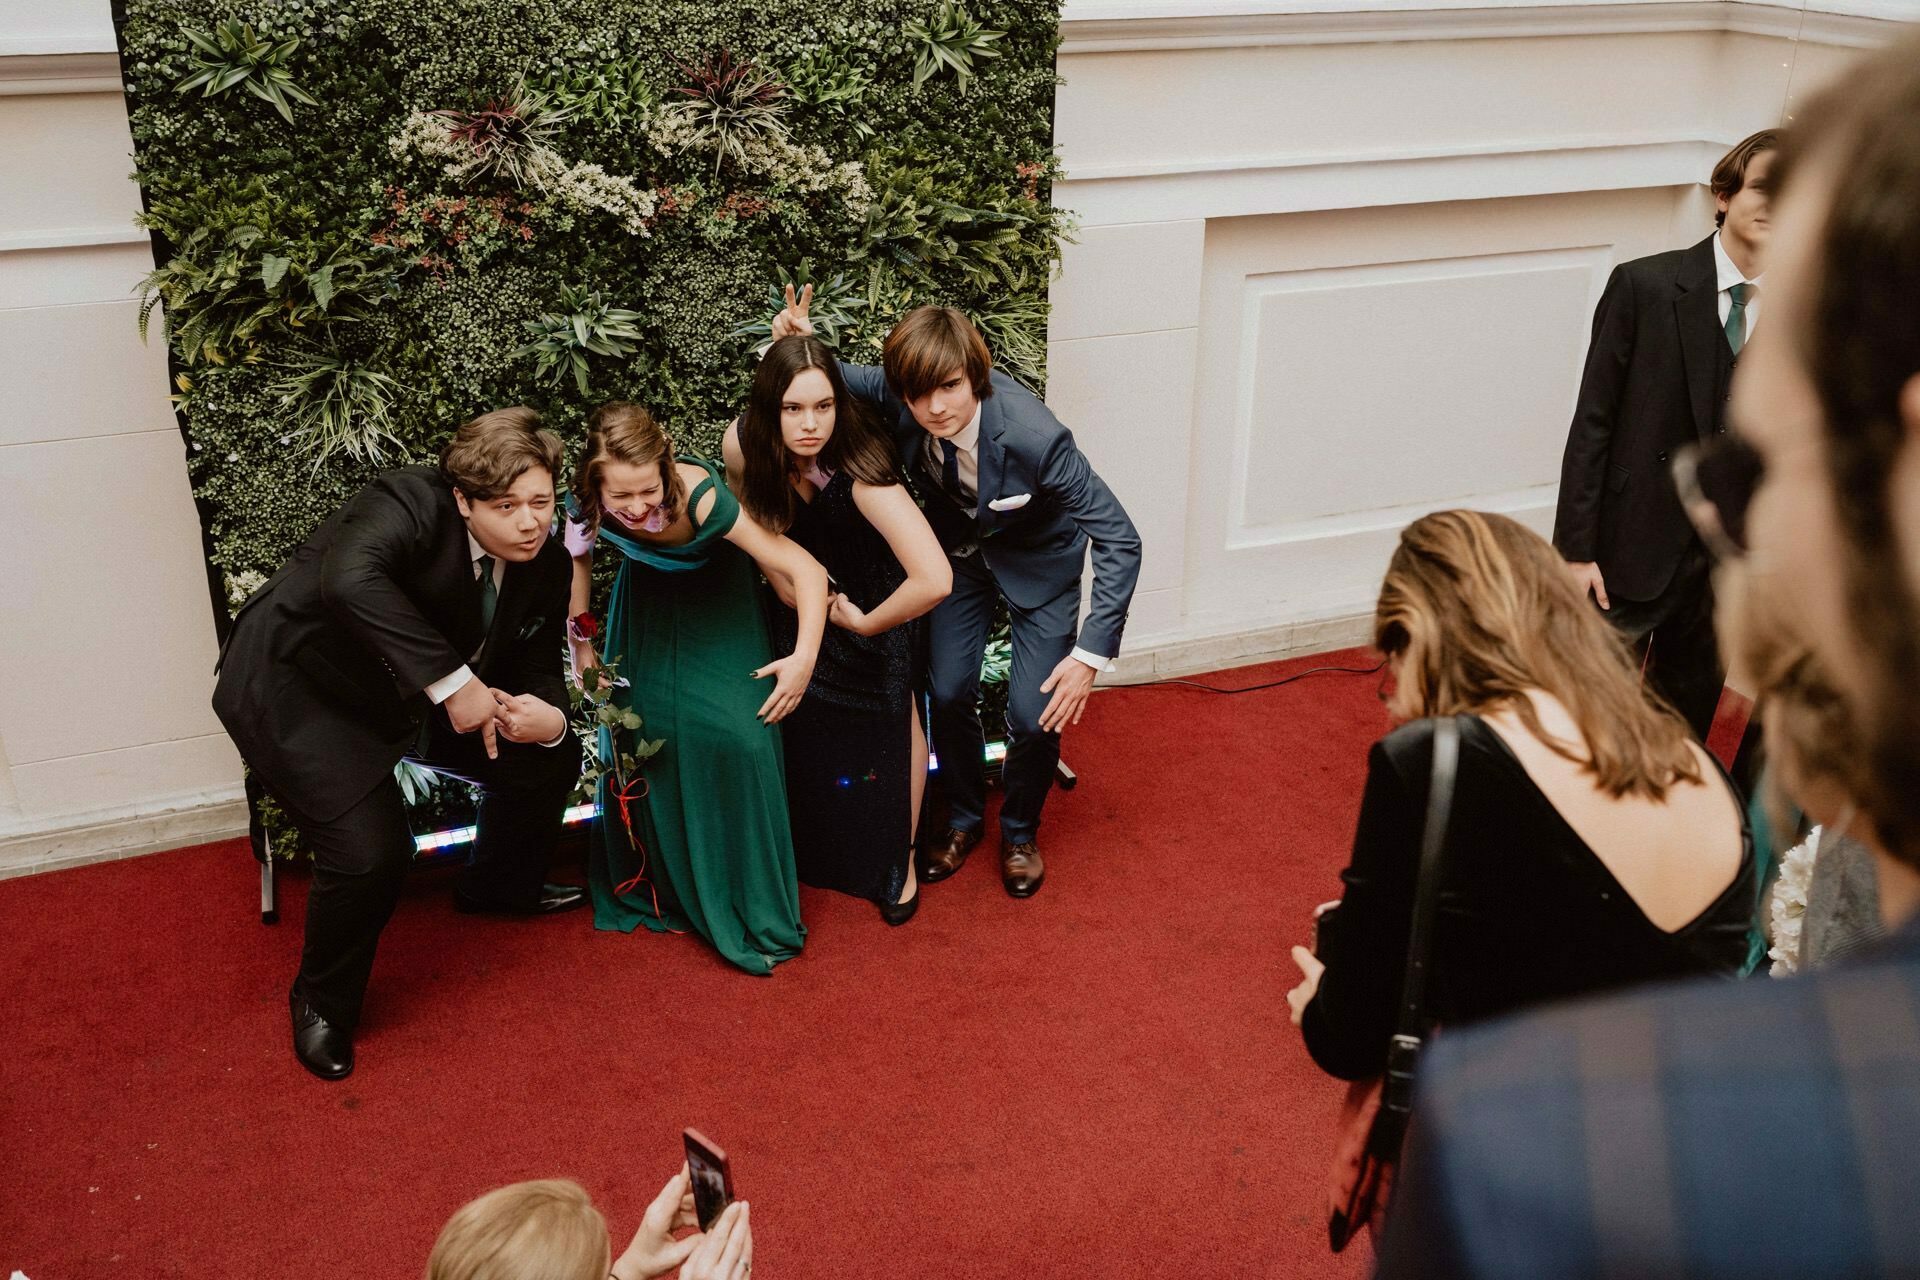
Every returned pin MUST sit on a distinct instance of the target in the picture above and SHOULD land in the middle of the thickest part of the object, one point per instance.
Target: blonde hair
(543, 1230)
(1481, 609)
(620, 431)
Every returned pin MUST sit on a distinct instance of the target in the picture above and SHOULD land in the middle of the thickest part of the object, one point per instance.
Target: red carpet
(1098, 1082)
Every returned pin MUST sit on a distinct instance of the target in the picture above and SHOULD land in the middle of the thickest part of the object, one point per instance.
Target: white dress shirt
(1726, 275)
(966, 444)
(451, 683)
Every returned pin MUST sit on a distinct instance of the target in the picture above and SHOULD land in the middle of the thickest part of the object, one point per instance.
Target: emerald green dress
(715, 852)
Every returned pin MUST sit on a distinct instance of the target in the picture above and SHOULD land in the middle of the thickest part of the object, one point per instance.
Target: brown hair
(545, 1230)
(1730, 175)
(858, 445)
(1483, 609)
(1861, 347)
(926, 347)
(489, 453)
(620, 431)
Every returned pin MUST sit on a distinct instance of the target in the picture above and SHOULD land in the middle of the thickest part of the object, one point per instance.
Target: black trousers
(1673, 634)
(957, 630)
(360, 859)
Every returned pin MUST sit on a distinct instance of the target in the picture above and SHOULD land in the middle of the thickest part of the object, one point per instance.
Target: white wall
(107, 744)
(1338, 262)
(1335, 269)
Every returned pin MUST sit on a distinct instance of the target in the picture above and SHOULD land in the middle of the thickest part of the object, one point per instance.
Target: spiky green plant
(950, 41)
(614, 95)
(836, 305)
(589, 326)
(232, 54)
(340, 406)
(822, 79)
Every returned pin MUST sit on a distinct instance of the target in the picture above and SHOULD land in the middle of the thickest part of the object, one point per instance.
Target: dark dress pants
(957, 634)
(1673, 634)
(360, 859)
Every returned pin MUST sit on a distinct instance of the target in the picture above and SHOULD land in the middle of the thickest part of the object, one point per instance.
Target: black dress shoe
(324, 1049)
(898, 913)
(553, 897)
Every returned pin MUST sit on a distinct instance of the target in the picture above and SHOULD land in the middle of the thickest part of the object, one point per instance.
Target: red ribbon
(626, 796)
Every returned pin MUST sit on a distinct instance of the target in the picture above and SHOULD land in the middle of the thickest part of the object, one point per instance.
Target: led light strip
(435, 841)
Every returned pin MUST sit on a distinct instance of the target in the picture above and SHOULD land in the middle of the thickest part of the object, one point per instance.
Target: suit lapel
(1696, 311)
(992, 462)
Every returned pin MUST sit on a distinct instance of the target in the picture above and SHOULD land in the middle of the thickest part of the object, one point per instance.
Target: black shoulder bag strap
(1410, 1030)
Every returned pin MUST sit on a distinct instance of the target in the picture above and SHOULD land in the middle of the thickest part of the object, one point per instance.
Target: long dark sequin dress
(849, 749)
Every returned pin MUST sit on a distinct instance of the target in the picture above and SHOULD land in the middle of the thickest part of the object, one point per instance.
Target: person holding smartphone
(549, 1227)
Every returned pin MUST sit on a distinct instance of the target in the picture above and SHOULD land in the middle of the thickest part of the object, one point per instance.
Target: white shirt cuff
(1093, 660)
(448, 685)
(560, 737)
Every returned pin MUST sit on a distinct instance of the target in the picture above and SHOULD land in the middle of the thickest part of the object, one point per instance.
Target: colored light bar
(435, 841)
(464, 835)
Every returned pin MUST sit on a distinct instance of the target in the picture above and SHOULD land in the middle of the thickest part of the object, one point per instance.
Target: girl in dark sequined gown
(808, 459)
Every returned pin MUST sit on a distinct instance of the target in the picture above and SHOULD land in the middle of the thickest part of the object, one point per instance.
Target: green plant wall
(376, 218)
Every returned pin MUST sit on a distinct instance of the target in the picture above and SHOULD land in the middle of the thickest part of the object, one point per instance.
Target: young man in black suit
(424, 619)
(1665, 337)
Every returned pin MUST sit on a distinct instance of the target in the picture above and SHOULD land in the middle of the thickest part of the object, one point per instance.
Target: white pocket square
(1013, 503)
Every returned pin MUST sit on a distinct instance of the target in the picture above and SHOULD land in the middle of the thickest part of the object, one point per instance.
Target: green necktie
(489, 594)
(1737, 316)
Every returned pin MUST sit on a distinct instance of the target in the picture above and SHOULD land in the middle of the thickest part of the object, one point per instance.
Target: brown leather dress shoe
(946, 854)
(1021, 868)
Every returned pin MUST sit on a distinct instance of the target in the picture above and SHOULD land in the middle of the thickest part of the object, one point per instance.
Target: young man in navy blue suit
(1765, 1128)
(1016, 507)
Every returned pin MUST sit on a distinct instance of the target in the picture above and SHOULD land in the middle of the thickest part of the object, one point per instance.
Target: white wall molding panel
(107, 745)
(1338, 261)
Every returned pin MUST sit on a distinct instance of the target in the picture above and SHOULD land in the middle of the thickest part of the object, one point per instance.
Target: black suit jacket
(323, 677)
(1656, 378)
(1709, 1130)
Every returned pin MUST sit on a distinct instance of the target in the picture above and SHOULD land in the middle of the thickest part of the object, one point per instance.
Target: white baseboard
(78, 839)
(1240, 649)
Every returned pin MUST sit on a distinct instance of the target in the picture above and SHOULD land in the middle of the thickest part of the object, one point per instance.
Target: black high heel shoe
(898, 913)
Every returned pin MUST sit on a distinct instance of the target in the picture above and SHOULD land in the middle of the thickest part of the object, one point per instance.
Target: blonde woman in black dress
(807, 459)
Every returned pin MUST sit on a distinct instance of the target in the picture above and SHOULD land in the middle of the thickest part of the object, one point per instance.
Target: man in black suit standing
(434, 595)
(1665, 337)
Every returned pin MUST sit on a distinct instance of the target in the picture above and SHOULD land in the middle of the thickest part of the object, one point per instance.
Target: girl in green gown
(710, 849)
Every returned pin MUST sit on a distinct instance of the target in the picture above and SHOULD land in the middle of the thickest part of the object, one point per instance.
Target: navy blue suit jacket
(1763, 1129)
(1037, 551)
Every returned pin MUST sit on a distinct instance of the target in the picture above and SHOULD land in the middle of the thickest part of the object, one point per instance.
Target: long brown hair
(1482, 609)
(620, 431)
(928, 345)
(858, 444)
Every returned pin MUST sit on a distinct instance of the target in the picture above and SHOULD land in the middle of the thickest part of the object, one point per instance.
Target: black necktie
(489, 594)
(950, 472)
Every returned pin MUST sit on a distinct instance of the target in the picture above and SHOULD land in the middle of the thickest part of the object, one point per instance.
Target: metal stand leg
(262, 853)
(1064, 777)
(269, 896)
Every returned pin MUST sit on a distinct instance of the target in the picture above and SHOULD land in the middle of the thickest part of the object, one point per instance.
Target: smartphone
(712, 1177)
(1323, 909)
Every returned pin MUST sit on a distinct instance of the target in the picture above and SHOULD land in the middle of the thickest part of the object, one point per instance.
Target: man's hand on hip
(1586, 576)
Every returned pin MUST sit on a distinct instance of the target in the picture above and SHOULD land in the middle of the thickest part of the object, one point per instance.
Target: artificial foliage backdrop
(374, 219)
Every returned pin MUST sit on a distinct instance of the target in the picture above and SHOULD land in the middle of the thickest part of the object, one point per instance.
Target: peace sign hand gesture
(793, 320)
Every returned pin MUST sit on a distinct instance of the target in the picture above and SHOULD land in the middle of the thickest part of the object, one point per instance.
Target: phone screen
(712, 1178)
